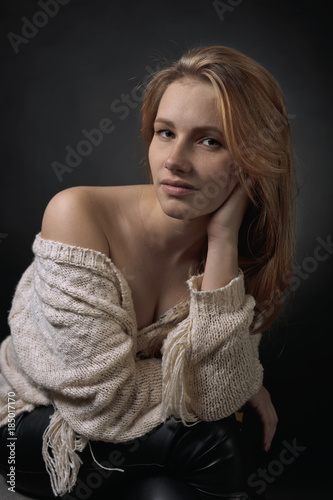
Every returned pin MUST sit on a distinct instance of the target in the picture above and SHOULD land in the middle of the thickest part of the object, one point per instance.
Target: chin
(181, 211)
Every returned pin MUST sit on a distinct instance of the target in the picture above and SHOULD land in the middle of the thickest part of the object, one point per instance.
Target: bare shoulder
(90, 216)
(74, 216)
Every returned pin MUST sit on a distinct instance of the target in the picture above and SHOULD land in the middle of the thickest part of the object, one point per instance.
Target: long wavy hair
(257, 135)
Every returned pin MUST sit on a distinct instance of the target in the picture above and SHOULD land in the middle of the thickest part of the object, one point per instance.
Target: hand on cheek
(227, 219)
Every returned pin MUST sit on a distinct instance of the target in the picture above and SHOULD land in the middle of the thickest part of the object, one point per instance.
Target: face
(193, 173)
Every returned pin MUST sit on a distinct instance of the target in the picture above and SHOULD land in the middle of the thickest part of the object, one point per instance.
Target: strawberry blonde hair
(257, 135)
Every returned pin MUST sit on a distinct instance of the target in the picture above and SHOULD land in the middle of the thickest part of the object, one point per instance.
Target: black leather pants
(172, 462)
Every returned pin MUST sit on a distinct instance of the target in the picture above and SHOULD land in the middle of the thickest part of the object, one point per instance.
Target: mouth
(177, 187)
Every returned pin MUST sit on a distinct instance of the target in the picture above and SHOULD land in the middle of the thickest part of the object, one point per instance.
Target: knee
(208, 440)
(209, 456)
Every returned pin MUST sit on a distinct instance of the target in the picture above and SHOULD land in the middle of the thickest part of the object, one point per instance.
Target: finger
(270, 426)
(238, 199)
(269, 430)
(263, 406)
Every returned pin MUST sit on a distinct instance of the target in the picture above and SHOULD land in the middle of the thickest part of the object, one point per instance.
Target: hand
(263, 406)
(227, 219)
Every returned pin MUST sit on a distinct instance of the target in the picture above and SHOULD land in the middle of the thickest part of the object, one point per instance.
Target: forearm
(210, 357)
(222, 231)
(221, 264)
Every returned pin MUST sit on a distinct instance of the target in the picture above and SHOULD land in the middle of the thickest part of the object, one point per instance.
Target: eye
(212, 143)
(166, 134)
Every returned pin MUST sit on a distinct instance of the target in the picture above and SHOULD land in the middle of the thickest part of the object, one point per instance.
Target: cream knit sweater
(74, 343)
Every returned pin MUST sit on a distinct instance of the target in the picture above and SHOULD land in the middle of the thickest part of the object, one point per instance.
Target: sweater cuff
(227, 299)
(219, 317)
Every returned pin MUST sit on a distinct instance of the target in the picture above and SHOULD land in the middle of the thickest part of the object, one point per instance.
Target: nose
(178, 159)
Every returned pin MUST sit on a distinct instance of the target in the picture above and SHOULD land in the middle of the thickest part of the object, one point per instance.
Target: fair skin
(153, 233)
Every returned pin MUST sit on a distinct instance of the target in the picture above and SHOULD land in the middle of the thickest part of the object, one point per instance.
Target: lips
(177, 188)
(180, 184)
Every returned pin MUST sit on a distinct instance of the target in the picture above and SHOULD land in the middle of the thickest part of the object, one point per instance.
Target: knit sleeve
(211, 365)
(74, 336)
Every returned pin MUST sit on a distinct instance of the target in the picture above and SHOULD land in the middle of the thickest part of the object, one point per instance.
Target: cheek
(220, 179)
(151, 162)
(217, 184)
(153, 157)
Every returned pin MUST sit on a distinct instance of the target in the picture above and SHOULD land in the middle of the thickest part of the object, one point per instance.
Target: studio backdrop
(72, 76)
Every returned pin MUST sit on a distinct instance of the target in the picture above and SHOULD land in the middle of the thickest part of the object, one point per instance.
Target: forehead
(188, 100)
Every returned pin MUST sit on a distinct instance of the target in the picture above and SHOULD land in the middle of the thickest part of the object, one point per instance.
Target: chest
(156, 292)
(156, 287)
(156, 279)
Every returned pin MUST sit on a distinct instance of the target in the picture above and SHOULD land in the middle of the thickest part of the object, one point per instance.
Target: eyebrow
(199, 127)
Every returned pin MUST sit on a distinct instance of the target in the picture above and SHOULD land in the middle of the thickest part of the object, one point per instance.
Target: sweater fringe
(60, 447)
(175, 400)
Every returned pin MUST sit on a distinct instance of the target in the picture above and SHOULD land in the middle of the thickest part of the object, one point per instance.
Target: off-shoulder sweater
(75, 344)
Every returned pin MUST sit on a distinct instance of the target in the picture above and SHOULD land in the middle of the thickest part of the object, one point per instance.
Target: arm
(221, 267)
(222, 368)
(75, 309)
(75, 338)
(222, 255)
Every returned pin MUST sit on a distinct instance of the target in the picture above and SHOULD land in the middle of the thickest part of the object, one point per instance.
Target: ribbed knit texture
(74, 343)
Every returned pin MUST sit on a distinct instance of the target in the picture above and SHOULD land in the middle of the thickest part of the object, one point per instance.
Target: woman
(132, 323)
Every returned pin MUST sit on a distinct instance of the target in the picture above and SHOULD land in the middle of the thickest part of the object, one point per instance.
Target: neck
(178, 239)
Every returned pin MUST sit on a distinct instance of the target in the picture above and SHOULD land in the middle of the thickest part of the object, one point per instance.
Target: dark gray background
(67, 77)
